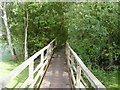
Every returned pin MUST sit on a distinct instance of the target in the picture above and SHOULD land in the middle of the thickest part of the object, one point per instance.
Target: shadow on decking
(57, 75)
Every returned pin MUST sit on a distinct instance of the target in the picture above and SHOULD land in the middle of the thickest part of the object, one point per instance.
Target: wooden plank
(31, 74)
(42, 76)
(84, 83)
(73, 77)
(72, 74)
(73, 64)
(25, 83)
(38, 53)
(42, 59)
(43, 64)
(74, 68)
(94, 81)
(82, 87)
(39, 73)
(48, 57)
(78, 76)
(52, 41)
(68, 54)
(56, 75)
(38, 66)
(14, 73)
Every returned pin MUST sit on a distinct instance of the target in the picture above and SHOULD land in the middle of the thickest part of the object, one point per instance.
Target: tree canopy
(90, 28)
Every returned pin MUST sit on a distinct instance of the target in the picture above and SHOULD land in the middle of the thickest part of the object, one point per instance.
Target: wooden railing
(78, 69)
(45, 56)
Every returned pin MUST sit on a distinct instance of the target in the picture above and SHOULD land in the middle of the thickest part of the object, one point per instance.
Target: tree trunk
(26, 29)
(0, 23)
(12, 50)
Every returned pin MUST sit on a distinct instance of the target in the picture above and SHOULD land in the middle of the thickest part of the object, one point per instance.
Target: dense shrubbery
(91, 28)
(93, 33)
(45, 22)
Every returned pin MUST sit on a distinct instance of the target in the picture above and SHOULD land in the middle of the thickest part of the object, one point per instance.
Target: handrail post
(48, 53)
(66, 49)
(72, 60)
(42, 59)
(55, 42)
(78, 76)
(31, 74)
(67, 52)
(51, 46)
(49, 50)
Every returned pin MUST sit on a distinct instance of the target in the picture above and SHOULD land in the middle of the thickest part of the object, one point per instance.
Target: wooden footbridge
(55, 69)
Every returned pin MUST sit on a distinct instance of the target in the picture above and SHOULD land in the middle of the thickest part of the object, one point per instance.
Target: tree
(26, 30)
(8, 32)
(93, 33)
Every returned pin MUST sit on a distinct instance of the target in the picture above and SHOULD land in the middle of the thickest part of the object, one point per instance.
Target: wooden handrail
(92, 79)
(30, 62)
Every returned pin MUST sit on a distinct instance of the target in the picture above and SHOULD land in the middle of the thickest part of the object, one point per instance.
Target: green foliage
(91, 30)
(103, 76)
(6, 66)
(45, 23)
(93, 33)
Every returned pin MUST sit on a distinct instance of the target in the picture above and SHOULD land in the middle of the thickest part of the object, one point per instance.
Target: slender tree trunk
(0, 22)
(12, 50)
(26, 29)
(1, 34)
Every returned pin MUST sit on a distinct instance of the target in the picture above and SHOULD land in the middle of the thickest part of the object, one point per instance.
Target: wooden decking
(57, 75)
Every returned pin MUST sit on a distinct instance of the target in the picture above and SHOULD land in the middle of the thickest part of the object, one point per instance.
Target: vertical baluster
(72, 57)
(50, 50)
(48, 53)
(51, 45)
(78, 76)
(31, 74)
(42, 60)
(66, 49)
(68, 53)
(55, 42)
(42, 57)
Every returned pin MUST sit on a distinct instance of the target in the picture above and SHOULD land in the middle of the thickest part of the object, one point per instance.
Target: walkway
(57, 75)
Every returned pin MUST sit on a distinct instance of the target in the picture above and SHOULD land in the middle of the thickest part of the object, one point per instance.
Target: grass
(6, 67)
(108, 78)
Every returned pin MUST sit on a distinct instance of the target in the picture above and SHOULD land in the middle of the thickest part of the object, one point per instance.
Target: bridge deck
(57, 75)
